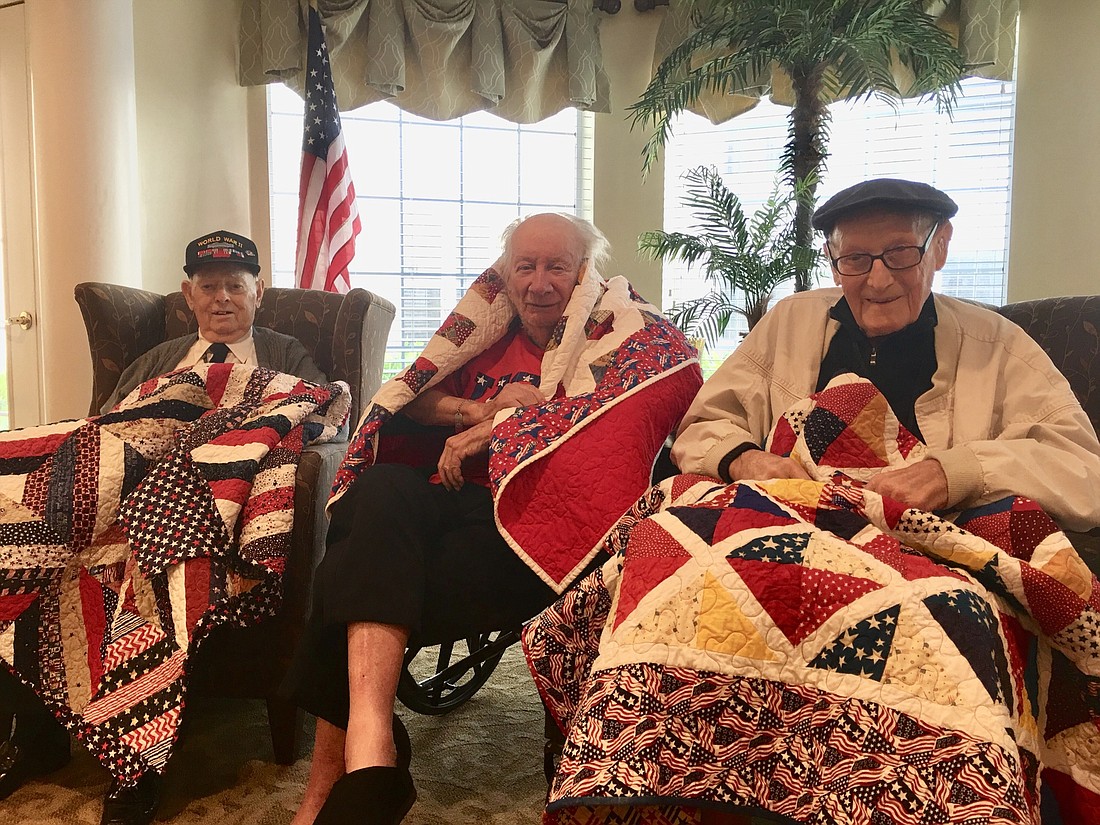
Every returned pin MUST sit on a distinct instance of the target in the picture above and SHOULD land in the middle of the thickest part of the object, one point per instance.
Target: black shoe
(369, 796)
(17, 764)
(133, 805)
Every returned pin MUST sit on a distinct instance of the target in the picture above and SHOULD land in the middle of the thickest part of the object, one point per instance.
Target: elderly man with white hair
(542, 369)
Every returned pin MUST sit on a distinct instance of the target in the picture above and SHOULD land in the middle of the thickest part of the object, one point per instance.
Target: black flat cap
(886, 193)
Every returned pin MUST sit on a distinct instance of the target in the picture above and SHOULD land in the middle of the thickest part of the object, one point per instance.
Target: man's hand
(758, 465)
(922, 485)
(519, 394)
(458, 448)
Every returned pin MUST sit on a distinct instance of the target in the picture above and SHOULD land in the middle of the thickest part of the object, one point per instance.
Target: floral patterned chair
(346, 335)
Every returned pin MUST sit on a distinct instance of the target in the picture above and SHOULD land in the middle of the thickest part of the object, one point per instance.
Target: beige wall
(1056, 161)
(193, 131)
(625, 205)
(80, 61)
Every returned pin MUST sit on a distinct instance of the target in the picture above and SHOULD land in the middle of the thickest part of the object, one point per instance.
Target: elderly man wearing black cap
(223, 289)
(996, 414)
(798, 646)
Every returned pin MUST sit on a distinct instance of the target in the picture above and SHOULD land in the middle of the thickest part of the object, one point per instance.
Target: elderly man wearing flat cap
(223, 288)
(997, 416)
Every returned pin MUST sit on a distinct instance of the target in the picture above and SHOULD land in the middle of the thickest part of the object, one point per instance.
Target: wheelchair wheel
(437, 679)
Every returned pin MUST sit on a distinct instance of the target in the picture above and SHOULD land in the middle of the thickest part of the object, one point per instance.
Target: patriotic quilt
(126, 537)
(809, 650)
(617, 377)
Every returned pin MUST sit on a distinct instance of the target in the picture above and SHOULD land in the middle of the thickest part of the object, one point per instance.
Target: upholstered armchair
(1068, 329)
(346, 335)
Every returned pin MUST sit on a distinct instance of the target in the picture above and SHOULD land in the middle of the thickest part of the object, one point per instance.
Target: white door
(20, 388)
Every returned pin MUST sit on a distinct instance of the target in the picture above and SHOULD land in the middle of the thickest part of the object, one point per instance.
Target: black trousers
(35, 724)
(403, 551)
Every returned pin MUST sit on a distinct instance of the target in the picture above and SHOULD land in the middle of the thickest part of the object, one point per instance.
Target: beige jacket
(1000, 418)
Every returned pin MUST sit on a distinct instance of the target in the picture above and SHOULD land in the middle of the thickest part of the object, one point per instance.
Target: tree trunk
(806, 151)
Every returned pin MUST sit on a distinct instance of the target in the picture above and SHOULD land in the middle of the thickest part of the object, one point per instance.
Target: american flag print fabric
(328, 218)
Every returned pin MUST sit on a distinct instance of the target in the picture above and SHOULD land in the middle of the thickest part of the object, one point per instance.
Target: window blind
(968, 155)
(433, 198)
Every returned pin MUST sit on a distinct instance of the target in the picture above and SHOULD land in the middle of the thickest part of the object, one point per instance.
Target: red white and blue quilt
(126, 537)
(809, 650)
(617, 377)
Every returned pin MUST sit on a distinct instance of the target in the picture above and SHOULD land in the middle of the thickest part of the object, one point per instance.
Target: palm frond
(849, 45)
(743, 260)
(705, 317)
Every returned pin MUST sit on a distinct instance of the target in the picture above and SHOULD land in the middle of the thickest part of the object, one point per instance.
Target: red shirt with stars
(513, 358)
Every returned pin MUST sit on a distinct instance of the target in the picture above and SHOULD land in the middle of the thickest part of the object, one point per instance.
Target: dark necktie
(216, 353)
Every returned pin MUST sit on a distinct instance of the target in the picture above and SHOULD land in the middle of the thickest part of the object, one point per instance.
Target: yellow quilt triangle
(869, 425)
(723, 626)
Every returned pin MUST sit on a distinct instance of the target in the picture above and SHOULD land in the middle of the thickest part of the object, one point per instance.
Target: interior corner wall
(625, 204)
(193, 131)
(1055, 169)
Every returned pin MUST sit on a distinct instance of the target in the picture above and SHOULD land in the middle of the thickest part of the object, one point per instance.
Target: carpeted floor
(479, 764)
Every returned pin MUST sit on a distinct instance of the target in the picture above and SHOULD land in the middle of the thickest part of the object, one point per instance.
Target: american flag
(328, 219)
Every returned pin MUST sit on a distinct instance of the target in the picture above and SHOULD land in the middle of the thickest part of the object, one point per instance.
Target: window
(433, 198)
(968, 155)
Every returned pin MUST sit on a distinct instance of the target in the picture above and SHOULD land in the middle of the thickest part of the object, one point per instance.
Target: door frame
(17, 223)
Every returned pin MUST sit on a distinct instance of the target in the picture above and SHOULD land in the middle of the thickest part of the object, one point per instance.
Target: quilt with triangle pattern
(126, 537)
(809, 650)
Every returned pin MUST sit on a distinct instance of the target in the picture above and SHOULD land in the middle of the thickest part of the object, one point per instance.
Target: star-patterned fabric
(125, 538)
(813, 650)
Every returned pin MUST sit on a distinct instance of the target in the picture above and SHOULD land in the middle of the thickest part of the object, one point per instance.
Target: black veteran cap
(221, 246)
(885, 193)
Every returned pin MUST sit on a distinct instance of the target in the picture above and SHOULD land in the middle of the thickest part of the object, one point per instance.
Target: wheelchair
(436, 679)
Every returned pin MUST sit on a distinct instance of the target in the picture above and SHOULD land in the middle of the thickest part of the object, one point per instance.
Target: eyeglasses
(896, 257)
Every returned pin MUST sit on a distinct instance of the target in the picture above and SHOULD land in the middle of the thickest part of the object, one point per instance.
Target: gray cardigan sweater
(274, 350)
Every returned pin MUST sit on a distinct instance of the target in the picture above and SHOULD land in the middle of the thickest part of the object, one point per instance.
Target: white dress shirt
(240, 352)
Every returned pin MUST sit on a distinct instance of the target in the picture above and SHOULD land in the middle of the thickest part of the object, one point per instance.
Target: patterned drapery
(984, 30)
(523, 60)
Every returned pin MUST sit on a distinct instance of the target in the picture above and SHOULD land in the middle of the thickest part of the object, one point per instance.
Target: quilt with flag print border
(810, 650)
(126, 537)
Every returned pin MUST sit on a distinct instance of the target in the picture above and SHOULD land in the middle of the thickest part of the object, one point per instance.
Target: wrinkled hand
(759, 465)
(922, 485)
(458, 448)
(517, 394)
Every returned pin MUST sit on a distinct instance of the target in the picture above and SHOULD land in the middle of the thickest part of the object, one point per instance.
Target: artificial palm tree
(743, 259)
(829, 49)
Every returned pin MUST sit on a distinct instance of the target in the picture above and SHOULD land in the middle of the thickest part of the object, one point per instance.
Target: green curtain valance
(984, 31)
(523, 60)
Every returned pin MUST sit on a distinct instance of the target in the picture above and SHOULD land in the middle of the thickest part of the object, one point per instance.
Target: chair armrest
(316, 471)
(359, 345)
